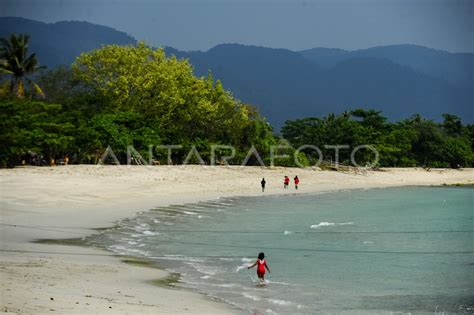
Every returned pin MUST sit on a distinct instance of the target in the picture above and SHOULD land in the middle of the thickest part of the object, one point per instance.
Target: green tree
(136, 88)
(17, 67)
(457, 152)
(28, 127)
(452, 125)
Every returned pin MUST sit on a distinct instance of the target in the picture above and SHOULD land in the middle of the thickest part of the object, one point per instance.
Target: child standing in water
(261, 264)
(286, 181)
(297, 181)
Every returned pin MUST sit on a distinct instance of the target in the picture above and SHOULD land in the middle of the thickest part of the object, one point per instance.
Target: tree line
(408, 143)
(121, 96)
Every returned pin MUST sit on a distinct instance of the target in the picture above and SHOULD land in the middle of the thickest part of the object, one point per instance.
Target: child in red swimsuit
(261, 264)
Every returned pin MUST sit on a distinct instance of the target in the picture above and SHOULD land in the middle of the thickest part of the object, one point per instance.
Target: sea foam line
(322, 224)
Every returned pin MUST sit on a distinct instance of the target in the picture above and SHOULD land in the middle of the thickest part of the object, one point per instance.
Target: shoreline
(72, 200)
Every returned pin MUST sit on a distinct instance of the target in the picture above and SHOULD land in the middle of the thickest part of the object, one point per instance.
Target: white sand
(65, 202)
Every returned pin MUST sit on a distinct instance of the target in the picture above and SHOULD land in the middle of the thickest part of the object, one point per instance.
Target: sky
(292, 24)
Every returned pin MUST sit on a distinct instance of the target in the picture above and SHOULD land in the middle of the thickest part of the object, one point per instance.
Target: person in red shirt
(261, 264)
(286, 182)
(297, 181)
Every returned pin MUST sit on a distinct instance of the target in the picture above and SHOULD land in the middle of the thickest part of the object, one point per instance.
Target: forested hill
(286, 84)
(399, 80)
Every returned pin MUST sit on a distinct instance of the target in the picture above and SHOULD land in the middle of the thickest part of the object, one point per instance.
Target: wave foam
(322, 224)
(252, 297)
(241, 267)
(190, 212)
(280, 302)
(207, 270)
(124, 250)
(278, 282)
(147, 232)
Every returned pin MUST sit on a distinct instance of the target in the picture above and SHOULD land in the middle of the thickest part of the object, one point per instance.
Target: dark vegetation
(121, 96)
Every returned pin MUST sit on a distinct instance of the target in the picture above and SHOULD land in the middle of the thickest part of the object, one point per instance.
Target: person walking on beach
(261, 264)
(297, 181)
(263, 182)
(286, 182)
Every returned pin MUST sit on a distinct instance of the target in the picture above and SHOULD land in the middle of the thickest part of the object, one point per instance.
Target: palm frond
(14, 61)
(4, 71)
(30, 63)
(36, 88)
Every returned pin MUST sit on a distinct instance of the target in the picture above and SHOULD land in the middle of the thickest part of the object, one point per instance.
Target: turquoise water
(377, 251)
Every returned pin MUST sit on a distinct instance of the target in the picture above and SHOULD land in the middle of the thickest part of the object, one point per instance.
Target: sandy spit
(67, 201)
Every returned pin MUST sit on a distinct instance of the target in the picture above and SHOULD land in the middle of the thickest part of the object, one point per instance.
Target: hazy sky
(292, 24)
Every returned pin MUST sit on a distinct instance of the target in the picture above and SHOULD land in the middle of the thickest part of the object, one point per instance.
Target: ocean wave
(147, 232)
(224, 204)
(124, 250)
(241, 267)
(180, 258)
(207, 270)
(190, 212)
(252, 297)
(227, 259)
(117, 247)
(287, 233)
(277, 282)
(280, 302)
(323, 224)
(140, 228)
(226, 285)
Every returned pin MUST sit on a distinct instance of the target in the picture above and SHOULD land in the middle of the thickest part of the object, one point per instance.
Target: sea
(407, 250)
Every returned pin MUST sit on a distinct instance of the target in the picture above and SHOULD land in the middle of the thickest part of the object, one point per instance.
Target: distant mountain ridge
(61, 42)
(456, 68)
(400, 80)
(286, 86)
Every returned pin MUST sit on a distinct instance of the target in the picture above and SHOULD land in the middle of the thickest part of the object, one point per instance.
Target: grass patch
(101, 229)
(168, 281)
(142, 262)
(459, 185)
(66, 241)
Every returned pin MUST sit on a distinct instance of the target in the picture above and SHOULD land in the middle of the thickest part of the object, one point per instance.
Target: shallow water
(377, 251)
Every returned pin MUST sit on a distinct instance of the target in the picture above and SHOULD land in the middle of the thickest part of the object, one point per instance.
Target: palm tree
(17, 66)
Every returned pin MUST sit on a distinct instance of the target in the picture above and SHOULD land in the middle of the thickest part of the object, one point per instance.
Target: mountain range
(399, 80)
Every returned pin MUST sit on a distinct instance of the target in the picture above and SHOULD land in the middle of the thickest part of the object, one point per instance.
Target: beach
(70, 201)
